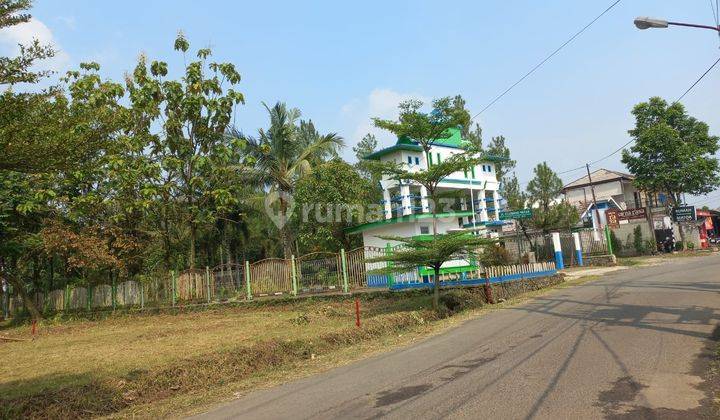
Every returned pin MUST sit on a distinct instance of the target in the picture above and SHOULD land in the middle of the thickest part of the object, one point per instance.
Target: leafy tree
(192, 149)
(18, 69)
(420, 252)
(333, 197)
(673, 152)
(471, 134)
(542, 193)
(282, 158)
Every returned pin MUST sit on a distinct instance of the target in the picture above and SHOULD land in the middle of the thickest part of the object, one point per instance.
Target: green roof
(402, 219)
(405, 143)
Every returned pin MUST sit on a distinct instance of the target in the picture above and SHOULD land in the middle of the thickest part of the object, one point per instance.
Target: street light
(647, 23)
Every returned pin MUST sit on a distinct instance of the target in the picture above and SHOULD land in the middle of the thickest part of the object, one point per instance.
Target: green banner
(516, 214)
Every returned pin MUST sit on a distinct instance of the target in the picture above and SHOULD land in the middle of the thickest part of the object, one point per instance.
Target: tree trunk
(29, 303)
(191, 250)
(436, 289)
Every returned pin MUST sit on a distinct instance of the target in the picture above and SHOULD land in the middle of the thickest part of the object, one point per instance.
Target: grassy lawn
(152, 365)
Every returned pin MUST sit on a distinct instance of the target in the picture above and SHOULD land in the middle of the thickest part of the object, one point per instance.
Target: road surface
(634, 344)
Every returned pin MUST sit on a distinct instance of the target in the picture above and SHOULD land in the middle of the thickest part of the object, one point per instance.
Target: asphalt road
(633, 344)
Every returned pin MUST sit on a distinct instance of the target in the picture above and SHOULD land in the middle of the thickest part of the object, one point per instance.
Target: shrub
(615, 242)
(690, 246)
(495, 255)
(638, 242)
(457, 300)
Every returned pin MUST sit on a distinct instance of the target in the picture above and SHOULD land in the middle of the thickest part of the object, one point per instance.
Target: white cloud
(25, 33)
(380, 103)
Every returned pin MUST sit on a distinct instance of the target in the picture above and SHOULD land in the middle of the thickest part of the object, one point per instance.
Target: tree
(542, 193)
(332, 198)
(498, 148)
(192, 148)
(673, 152)
(18, 69)
(471, 134)
(282, 158)
(420, 252)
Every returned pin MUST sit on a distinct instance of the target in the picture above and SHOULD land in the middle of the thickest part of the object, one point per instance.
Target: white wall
(407, 229)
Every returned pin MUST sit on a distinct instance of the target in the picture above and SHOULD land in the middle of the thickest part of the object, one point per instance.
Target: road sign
(516, 214)
(683, 214)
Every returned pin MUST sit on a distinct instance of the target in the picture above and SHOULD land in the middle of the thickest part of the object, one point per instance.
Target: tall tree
(470, 133)
(192, 147)
(497, 147)
(673, 152)
(542, 194)
(282, 157)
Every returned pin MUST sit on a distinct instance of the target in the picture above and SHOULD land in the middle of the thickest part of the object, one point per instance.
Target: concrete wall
(407, 229)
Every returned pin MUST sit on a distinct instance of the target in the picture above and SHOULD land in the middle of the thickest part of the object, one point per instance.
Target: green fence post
(172, 285)
(207, 282)
(142, 295)
(293, 270)
(343, 262)
(247, 280)
(607, 239)
(391, 278)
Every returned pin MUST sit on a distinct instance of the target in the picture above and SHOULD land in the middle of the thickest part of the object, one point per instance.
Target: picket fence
(309, 274)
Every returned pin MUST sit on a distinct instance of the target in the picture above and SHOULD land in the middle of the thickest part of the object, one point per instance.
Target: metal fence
(309, 274)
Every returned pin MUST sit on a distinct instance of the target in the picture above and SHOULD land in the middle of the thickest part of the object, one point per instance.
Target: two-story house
(613, 189)
(406, 208)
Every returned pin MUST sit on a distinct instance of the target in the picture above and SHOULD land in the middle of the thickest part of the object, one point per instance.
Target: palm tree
(284, 153)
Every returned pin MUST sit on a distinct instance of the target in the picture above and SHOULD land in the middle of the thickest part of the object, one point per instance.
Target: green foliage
(615, 242)
(638, 242)
(498, 148)
(542, 193)
(673, 152)
(494, 255)
(425, 128)
(333, 189)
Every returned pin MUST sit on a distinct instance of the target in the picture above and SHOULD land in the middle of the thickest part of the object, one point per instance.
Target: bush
(690, 246)
(495, 255)
(457, 300)
(615, 242)
(638, 242)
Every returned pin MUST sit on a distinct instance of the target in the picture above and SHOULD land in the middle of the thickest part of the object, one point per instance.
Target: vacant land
(152, 365)
(164, 363)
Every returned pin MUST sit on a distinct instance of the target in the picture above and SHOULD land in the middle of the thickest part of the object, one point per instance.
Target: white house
(406, 208)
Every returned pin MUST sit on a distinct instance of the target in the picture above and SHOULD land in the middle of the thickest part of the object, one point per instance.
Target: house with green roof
(406, 208)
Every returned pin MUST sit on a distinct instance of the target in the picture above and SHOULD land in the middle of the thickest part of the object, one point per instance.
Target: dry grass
(171, 364)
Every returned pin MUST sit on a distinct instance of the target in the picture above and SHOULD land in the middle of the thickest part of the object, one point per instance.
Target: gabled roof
(599, 176)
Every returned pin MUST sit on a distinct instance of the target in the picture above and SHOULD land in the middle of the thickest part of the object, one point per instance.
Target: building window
(638, 200)
(430, 162)
(409, 160)
(417, 160)
(489, 168)
(438, 157)
(472, 171)
(424, 230)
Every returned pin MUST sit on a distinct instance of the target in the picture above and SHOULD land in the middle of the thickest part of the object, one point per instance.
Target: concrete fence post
(558, 251)
(248, 290)
(578, 248)
(343, 262)
(293, 271)
(207, 282)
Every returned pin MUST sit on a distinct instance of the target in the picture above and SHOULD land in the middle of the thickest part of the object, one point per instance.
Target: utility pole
(592, 190)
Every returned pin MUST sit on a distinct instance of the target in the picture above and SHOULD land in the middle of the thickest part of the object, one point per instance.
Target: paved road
(634, 344)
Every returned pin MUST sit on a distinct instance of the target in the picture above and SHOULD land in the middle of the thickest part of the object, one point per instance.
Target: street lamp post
(648, 23)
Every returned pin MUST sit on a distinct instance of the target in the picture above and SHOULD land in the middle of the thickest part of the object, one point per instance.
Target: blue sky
(342, 63)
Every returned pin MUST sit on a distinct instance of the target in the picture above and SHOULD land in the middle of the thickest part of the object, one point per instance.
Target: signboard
(614, 216)
(516, 214)
(683, 214)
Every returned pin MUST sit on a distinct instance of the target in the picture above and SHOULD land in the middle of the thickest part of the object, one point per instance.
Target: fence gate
(593, 242)
(319, 272)
(567, 245)
(272, 276)
(228, 281)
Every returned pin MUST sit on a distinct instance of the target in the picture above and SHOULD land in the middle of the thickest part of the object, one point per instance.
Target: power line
(698, 80)
(537, 66)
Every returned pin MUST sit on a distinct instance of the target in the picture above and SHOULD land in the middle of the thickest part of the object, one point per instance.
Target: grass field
(150, 365)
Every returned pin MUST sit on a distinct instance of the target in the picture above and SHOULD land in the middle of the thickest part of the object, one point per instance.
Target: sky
(342, 63)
